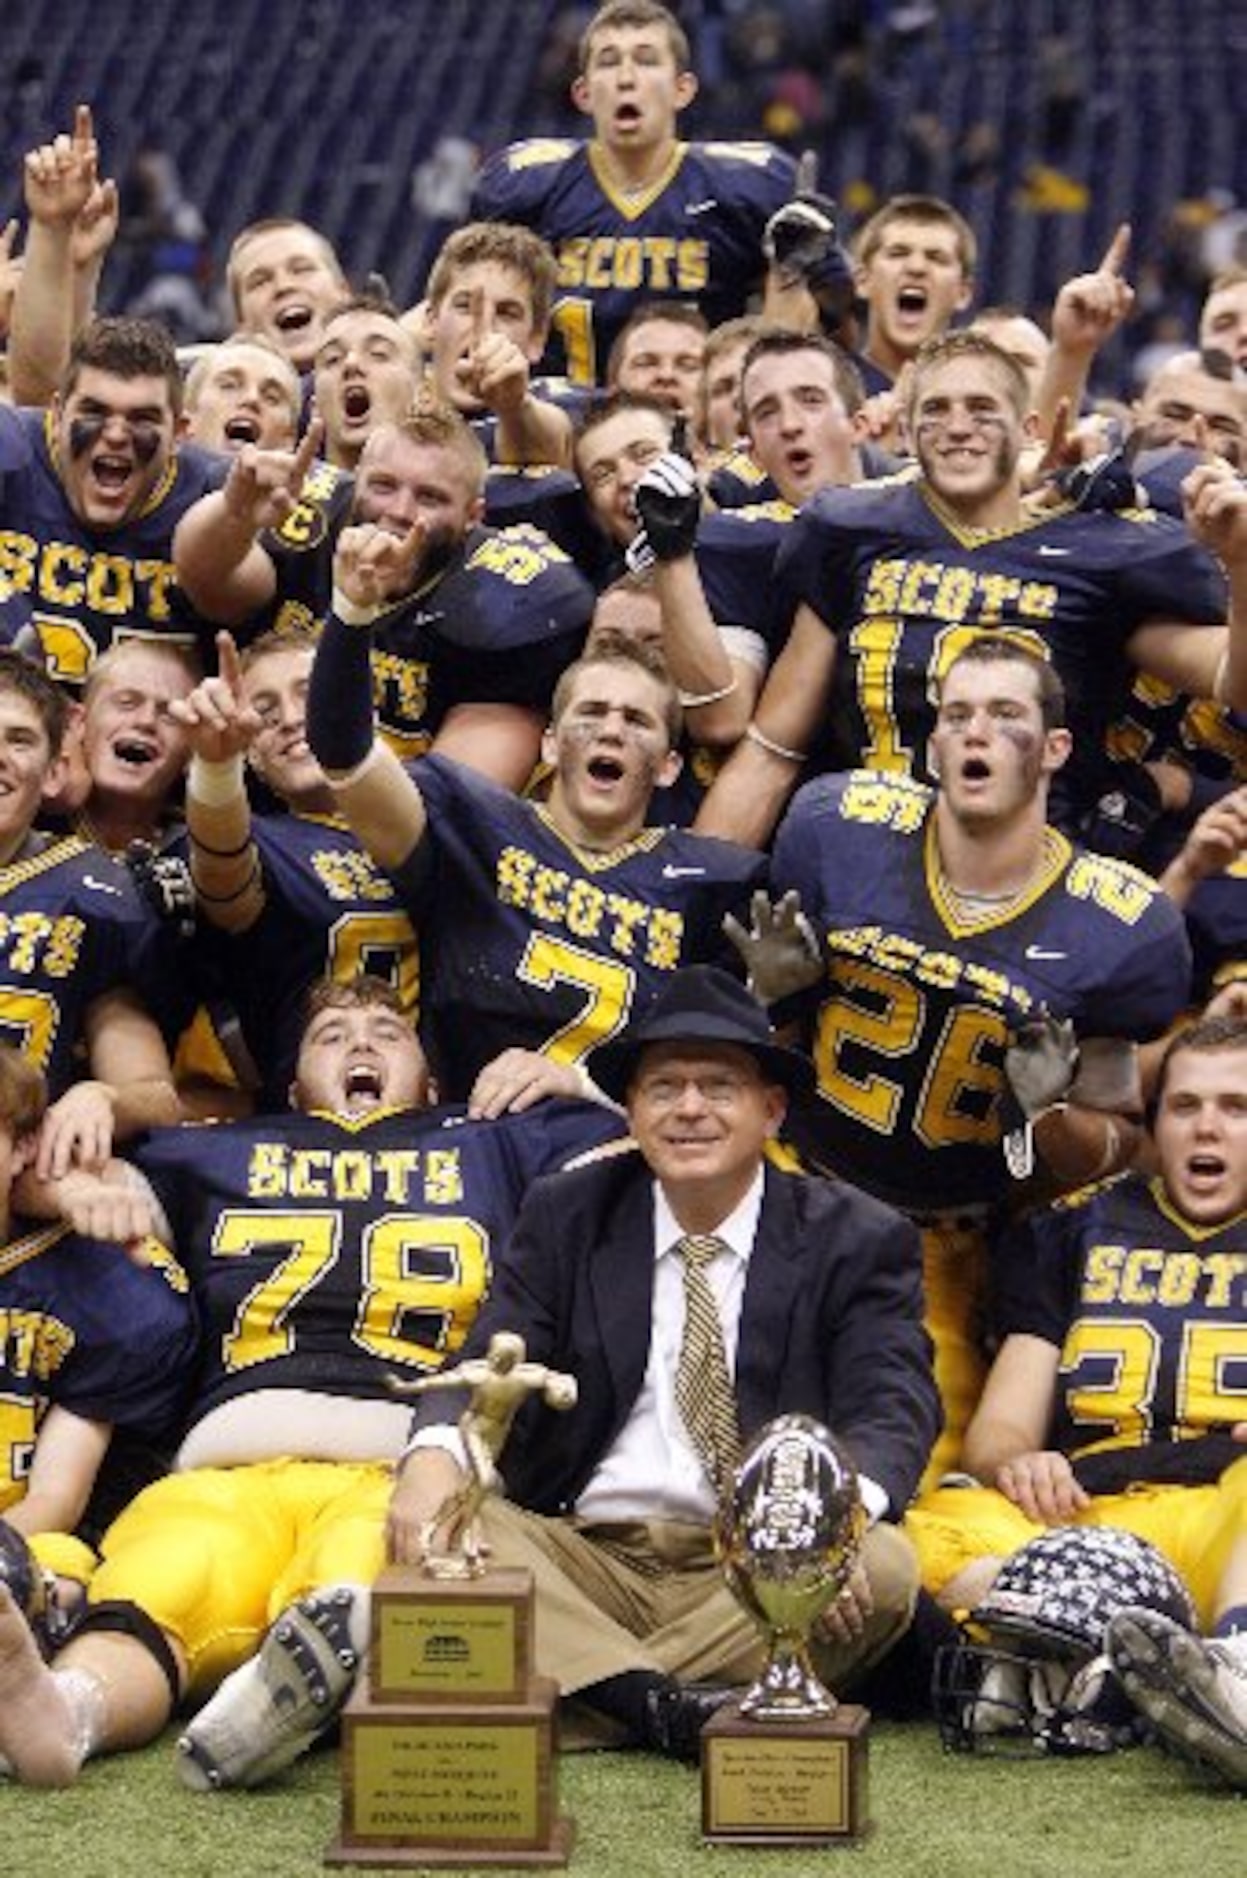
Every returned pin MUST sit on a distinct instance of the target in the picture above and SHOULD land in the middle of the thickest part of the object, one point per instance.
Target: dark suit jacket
(831, 1324)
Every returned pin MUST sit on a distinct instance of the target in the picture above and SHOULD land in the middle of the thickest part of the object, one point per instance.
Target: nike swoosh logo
(1038, 952)
(100, 886)
(700, 208)
(1044, 548)
(679, 873)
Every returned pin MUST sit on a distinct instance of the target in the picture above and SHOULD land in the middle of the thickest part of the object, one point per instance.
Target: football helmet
(1042, 1679)
(1000, 1702)
(1055, 1595)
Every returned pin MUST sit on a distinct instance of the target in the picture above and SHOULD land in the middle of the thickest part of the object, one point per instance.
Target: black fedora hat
(700, 1005)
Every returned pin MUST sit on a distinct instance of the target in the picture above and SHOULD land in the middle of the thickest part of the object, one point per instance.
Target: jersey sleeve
(135, 1335)
(513, 183)
(736, 557)
(1032, 1288)
(812, 566)
(1170, 577)
(524, 618)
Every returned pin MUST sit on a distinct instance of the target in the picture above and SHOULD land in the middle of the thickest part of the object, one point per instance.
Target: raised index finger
(1118, 248)
(476, 314)
(229, 664)
(305, 455)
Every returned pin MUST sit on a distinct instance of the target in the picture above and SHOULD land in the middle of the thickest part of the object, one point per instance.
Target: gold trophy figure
(500, 1382)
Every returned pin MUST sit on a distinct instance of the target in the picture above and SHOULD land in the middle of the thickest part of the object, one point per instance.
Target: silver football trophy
(787, 1763)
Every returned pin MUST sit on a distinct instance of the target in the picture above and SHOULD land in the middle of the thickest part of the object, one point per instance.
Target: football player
(90, 493)
(914, 269)
(291, 895)
(485, 321)
(542, 926)
(75, 939)
(1118, 1393)
(93, 1342)
(329, 1250)
(1223, 317)
(959, 945)
(473, 639)
(131, 750)
(659, 352)
(636, 214)
(364, 376)
(242, 391)
(890, 582)
(285, 278)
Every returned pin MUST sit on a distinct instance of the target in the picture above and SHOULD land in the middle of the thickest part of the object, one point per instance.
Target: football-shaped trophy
(786, 1764)
(788, 1537)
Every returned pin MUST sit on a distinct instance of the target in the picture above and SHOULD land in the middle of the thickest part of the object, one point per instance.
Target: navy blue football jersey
(1159, 724)
(329, 912)
(904, 589)
(73, 926)
(1217, 920)
(1147, 1310)
(527, 941)
(82, 1327)
(496, 625)
(329, 1255)
(76, 588)
(919, 1004)
(695, 235)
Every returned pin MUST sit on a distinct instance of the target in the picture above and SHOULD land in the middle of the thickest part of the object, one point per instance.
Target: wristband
(690, 702)
(775, 749)
(217, 785)
(352, 615)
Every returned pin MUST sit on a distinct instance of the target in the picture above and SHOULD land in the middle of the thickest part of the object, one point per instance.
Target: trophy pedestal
(448, 1749)
(800, 1782)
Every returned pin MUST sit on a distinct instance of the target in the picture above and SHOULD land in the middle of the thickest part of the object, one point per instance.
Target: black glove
(668, 506)
(165, 884)
(801, 241)
(1103, 483)
(1124, 815)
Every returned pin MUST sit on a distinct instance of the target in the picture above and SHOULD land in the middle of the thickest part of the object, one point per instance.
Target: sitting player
(1117, 1397)
(93, 1342)
(329, 1250)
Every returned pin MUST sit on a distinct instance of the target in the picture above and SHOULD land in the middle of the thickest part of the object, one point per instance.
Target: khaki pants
(650, 1595)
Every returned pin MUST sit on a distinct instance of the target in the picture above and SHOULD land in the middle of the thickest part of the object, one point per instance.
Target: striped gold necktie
(703, 1388)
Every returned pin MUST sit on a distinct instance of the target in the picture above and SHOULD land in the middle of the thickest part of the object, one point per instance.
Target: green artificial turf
(936, 1816)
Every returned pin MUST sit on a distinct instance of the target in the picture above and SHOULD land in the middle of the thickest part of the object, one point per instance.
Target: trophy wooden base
(448, 1746)
(800, 1782)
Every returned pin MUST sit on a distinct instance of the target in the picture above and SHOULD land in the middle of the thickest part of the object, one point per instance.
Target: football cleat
(271, 1709)
(1192, 1689)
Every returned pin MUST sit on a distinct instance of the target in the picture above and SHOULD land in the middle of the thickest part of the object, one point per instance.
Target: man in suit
(817, 1295)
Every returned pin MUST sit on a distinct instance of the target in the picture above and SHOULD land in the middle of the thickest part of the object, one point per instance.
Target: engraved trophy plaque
(787, 1765)
(449, 1749)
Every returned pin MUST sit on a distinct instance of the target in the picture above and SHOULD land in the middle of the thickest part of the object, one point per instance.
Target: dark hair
(128, 348)
(1206, 1034)
(998, 647)
(779, 341)
(674, 312)
(22, 678)
(612, 405)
